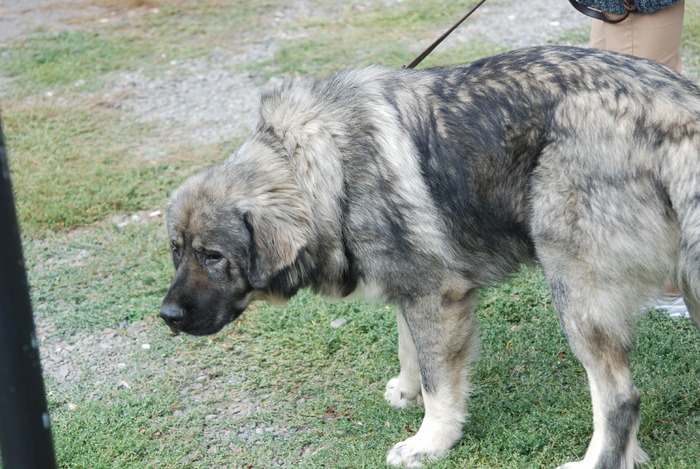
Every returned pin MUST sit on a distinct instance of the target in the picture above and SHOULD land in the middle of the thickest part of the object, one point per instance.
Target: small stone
(123, 385)
(338, 323)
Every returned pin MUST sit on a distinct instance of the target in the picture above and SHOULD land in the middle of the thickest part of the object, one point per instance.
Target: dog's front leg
(404, 390)
(444, 336)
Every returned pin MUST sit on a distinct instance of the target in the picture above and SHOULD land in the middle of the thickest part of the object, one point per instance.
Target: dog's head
(232, 228)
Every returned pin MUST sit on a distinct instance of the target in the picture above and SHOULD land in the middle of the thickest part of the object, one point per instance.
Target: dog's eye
(175, 249)
(212, 258)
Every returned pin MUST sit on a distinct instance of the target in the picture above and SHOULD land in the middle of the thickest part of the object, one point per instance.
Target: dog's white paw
(398, 397)
(413, 451)
(630, 460)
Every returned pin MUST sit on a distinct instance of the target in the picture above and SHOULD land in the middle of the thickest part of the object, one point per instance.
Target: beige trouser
(655, 36)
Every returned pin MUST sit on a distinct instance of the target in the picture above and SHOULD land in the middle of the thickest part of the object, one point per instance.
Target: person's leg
(658, 36)
(598, 40)
(655, 36)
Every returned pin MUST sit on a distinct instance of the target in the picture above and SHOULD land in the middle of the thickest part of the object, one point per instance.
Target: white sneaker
(674, 306)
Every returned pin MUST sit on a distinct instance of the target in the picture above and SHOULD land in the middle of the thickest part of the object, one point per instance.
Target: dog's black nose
(172, 314)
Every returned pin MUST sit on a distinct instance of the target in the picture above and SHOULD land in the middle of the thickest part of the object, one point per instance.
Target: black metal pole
(25, 432)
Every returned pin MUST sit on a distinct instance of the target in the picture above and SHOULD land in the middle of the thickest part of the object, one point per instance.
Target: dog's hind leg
(404, 390)
(693, 304)
(596, 323)
(444, 336)
(606, 235)
(687, 280)
(681, 175)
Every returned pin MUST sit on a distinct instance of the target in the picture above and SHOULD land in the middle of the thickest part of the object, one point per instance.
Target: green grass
(117, 274)
(690, 41)
(279, 385)
(376, 35)
(319, 390)
(575, 36)
(148, 41)
(74, 165)
(67, 57)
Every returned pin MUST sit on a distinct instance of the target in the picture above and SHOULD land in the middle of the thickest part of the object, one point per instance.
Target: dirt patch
(207, 100)
(19, 19)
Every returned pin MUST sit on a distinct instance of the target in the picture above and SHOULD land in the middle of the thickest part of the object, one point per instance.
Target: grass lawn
(279, 387)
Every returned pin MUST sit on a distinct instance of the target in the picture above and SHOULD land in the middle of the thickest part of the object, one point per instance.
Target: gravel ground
(203, 101)
(203, 98)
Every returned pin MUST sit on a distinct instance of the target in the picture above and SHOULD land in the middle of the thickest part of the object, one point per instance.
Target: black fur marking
(621, 422)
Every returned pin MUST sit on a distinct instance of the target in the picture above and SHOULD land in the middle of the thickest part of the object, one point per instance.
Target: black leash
(437, 42)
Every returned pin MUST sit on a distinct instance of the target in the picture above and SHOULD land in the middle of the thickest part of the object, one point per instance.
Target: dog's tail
(682, 179)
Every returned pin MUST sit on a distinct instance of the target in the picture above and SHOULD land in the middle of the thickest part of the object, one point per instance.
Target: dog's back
(472, 138)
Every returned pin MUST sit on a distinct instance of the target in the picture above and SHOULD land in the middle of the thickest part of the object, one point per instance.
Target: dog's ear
(276, 239)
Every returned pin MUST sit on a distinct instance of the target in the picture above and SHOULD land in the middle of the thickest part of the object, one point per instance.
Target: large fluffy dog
(419, 187)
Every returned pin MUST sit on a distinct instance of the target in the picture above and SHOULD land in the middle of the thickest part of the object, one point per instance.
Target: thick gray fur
(419, 187)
